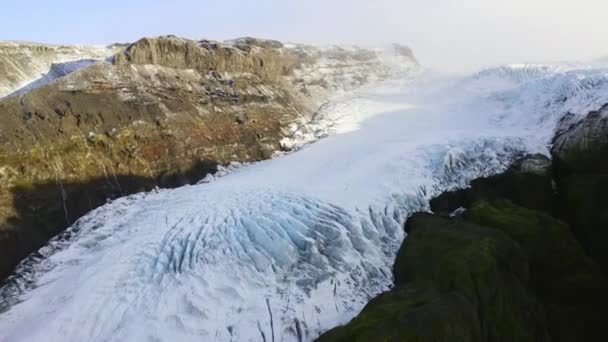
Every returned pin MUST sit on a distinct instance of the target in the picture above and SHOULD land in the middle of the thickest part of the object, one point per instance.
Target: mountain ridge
(162, 112)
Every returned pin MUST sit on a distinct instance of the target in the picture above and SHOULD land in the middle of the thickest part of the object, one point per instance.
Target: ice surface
(285, 249)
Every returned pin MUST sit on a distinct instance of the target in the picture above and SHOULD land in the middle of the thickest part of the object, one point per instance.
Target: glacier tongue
(285, 249)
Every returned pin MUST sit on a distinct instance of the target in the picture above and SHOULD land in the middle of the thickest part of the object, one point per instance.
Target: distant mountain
(23, 63)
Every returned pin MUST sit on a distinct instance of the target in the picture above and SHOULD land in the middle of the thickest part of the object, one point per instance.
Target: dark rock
(412, 313)
(528, 183)
(180, 177)
(455, 281)
(580, 154)
(571, 286)
(43, 210)
(583, 203)
(246, 43)
(582, 146)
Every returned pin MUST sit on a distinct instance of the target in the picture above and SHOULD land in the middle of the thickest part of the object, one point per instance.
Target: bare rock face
(581, 172)
(583, 145)
(162, 112)
(267, 61)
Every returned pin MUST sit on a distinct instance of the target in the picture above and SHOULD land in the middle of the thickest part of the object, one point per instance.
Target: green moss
(584, 204)
(412, 313)
(569, 283)
(455, 281)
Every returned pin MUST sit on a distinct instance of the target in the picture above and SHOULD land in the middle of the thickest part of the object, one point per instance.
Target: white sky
(465, 34)
(447, 34)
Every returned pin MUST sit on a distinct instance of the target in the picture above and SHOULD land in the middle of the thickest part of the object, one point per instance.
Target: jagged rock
(248, 43)
(413, 312)
(536, 164)
(580, 153)
(267, 61)
(582, 146)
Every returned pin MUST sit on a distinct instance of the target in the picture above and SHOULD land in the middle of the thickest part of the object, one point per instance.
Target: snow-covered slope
(285, 249)
(330, 80)
(29, 65)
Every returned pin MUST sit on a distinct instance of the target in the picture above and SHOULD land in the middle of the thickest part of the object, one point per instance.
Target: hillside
(162, 112)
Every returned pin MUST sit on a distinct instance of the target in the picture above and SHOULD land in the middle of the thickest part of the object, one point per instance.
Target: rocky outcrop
(267, 61)
(581, 146)
(580, 152)
(528, 182)
(502, 268)
(454, 281)
(569, 283)
(163, 112)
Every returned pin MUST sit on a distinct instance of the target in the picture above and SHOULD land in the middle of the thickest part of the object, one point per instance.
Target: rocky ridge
(581, 173)
(161, 112)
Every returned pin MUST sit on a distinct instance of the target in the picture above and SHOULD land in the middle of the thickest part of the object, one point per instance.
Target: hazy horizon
(444, 34)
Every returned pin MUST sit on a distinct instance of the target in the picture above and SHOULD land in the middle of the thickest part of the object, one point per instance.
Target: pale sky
(447, 34)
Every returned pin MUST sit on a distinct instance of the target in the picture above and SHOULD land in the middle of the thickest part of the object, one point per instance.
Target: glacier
(285, 249)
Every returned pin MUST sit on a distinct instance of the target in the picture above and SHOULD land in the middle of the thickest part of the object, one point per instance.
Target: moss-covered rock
(580, 150)
(583, 202)
(455, 281)
(414, 312)
(527, 182)
(569, 283)
(501, 272)
(581, 146)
